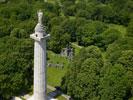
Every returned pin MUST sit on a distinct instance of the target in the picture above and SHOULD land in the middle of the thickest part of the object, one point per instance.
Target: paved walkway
(51, 95)
(28, 97)
(61, 93)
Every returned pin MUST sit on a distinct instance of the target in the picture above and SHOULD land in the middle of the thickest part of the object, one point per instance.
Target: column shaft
(40, 70)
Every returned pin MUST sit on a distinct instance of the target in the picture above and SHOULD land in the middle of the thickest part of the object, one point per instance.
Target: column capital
(36, 38)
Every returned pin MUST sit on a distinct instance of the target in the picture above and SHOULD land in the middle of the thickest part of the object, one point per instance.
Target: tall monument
(40, 37)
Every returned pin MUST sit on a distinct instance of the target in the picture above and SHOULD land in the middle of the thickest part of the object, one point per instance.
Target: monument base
(49, 98)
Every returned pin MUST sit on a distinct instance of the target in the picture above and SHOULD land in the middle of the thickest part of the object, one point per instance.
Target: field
(55, 74)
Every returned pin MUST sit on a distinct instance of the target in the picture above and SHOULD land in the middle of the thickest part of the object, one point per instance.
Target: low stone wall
(55, 65)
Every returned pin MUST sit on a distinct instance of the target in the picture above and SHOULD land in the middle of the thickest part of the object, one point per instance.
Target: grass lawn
(48, 90)
(54, 75)
(61, 98)
(76, 47)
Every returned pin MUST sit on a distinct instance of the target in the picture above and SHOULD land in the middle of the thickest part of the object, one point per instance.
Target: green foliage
(130, 28)
(69, 26)
(114, 84)
(18, 33)
(59, 39)
(90, 77)
(85, 10)
(5, 27)
(56, 21)
(68, 8)
(15, 67)
(109, 36)
(115, 50)
(54, 8)
(85, 85)
(89, 33)
(126, 59)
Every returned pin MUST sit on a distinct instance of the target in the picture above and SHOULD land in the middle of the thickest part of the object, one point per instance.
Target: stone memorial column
(40, 37)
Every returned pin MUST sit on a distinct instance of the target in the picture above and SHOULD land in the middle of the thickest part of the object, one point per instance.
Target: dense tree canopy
(130, 28)
(83, 77)
(15, 66)
(114, 84)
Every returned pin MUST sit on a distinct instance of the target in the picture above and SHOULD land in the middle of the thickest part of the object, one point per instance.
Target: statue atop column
(40, 16)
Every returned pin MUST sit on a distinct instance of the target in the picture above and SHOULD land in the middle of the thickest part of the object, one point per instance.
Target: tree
(126, 59)
(16, 67)
(5, 28)
(5, 13)
(87, 84)
(130, 28)
(86, 9)
(114, 51)
(59, 39)
(82, 80)
(68, 7)
(104, 13)
(54, 8)
(18, 33)
(109, 36)
(69, 26)
(114, 85)
(22, 11)
(87, 34)
(55, 21)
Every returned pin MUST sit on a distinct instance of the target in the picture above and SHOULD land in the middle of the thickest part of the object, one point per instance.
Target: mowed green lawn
(61, 98)
(55, 74)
